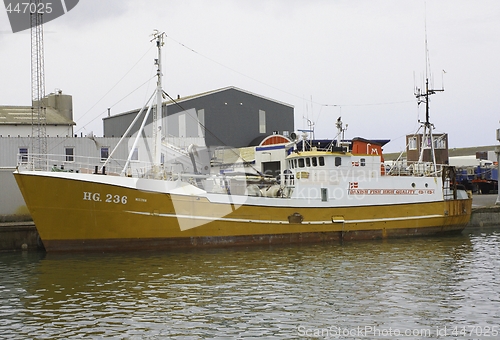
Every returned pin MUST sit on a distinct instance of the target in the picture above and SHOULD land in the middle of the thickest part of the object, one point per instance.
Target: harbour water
(434, 287)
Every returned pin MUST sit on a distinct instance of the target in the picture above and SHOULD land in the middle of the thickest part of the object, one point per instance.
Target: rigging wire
(123, 98)
(272, 86)
(340, 105)
(99, 115)
(111, 89)
(231, 69)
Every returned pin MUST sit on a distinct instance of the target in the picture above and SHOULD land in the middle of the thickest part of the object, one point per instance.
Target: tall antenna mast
(157, 113)
(423, 97)
(38, 108)
(157, 119)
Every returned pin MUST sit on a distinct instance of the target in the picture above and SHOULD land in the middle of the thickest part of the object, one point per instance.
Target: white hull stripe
(226, 219)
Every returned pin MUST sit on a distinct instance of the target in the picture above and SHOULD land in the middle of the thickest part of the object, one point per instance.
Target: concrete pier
(484, 212)
(17, 236)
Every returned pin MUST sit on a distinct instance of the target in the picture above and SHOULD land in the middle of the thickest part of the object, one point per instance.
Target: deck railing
(82, 164)
(427, 169)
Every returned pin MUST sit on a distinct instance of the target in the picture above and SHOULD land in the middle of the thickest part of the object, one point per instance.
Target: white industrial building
(16, 121)
(16, 140)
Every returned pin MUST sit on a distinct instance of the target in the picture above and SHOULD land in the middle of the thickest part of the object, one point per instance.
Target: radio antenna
(423, 97)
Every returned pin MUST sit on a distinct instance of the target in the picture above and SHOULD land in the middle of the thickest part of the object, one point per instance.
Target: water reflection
(425, 283)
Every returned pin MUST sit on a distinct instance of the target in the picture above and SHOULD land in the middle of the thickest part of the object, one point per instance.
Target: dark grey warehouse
(225, 117)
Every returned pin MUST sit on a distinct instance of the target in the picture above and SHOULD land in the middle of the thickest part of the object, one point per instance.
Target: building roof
(470, 151)
(380, 142)
(180, 100)
(22, 115)
(269, 140)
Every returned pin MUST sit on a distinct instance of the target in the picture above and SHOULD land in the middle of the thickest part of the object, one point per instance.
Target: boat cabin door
(271, 168)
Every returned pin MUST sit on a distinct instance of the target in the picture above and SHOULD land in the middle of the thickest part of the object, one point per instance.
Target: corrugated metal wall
(230, 117)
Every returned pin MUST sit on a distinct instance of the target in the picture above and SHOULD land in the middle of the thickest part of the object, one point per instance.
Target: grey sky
(328, 58)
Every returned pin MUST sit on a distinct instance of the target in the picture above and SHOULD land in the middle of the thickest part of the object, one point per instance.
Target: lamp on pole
(497, 151)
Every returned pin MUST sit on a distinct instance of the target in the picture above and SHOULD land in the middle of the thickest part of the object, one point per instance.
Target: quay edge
(484, 217)
(19, 236)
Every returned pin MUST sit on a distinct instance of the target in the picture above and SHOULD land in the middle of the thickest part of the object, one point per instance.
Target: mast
(157, 113)
(427, 137)
(423, 97)
(338, 124)
(157, 119)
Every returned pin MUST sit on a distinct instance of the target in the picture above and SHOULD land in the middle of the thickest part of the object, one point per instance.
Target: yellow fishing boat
(329, 192)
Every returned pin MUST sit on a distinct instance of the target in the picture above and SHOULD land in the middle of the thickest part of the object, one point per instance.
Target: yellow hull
(74, 215)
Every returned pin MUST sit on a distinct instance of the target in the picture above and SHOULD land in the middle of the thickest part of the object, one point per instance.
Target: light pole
(497, 151)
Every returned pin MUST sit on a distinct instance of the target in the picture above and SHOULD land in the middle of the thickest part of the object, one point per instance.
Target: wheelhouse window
(306, 162)
(70, 154)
